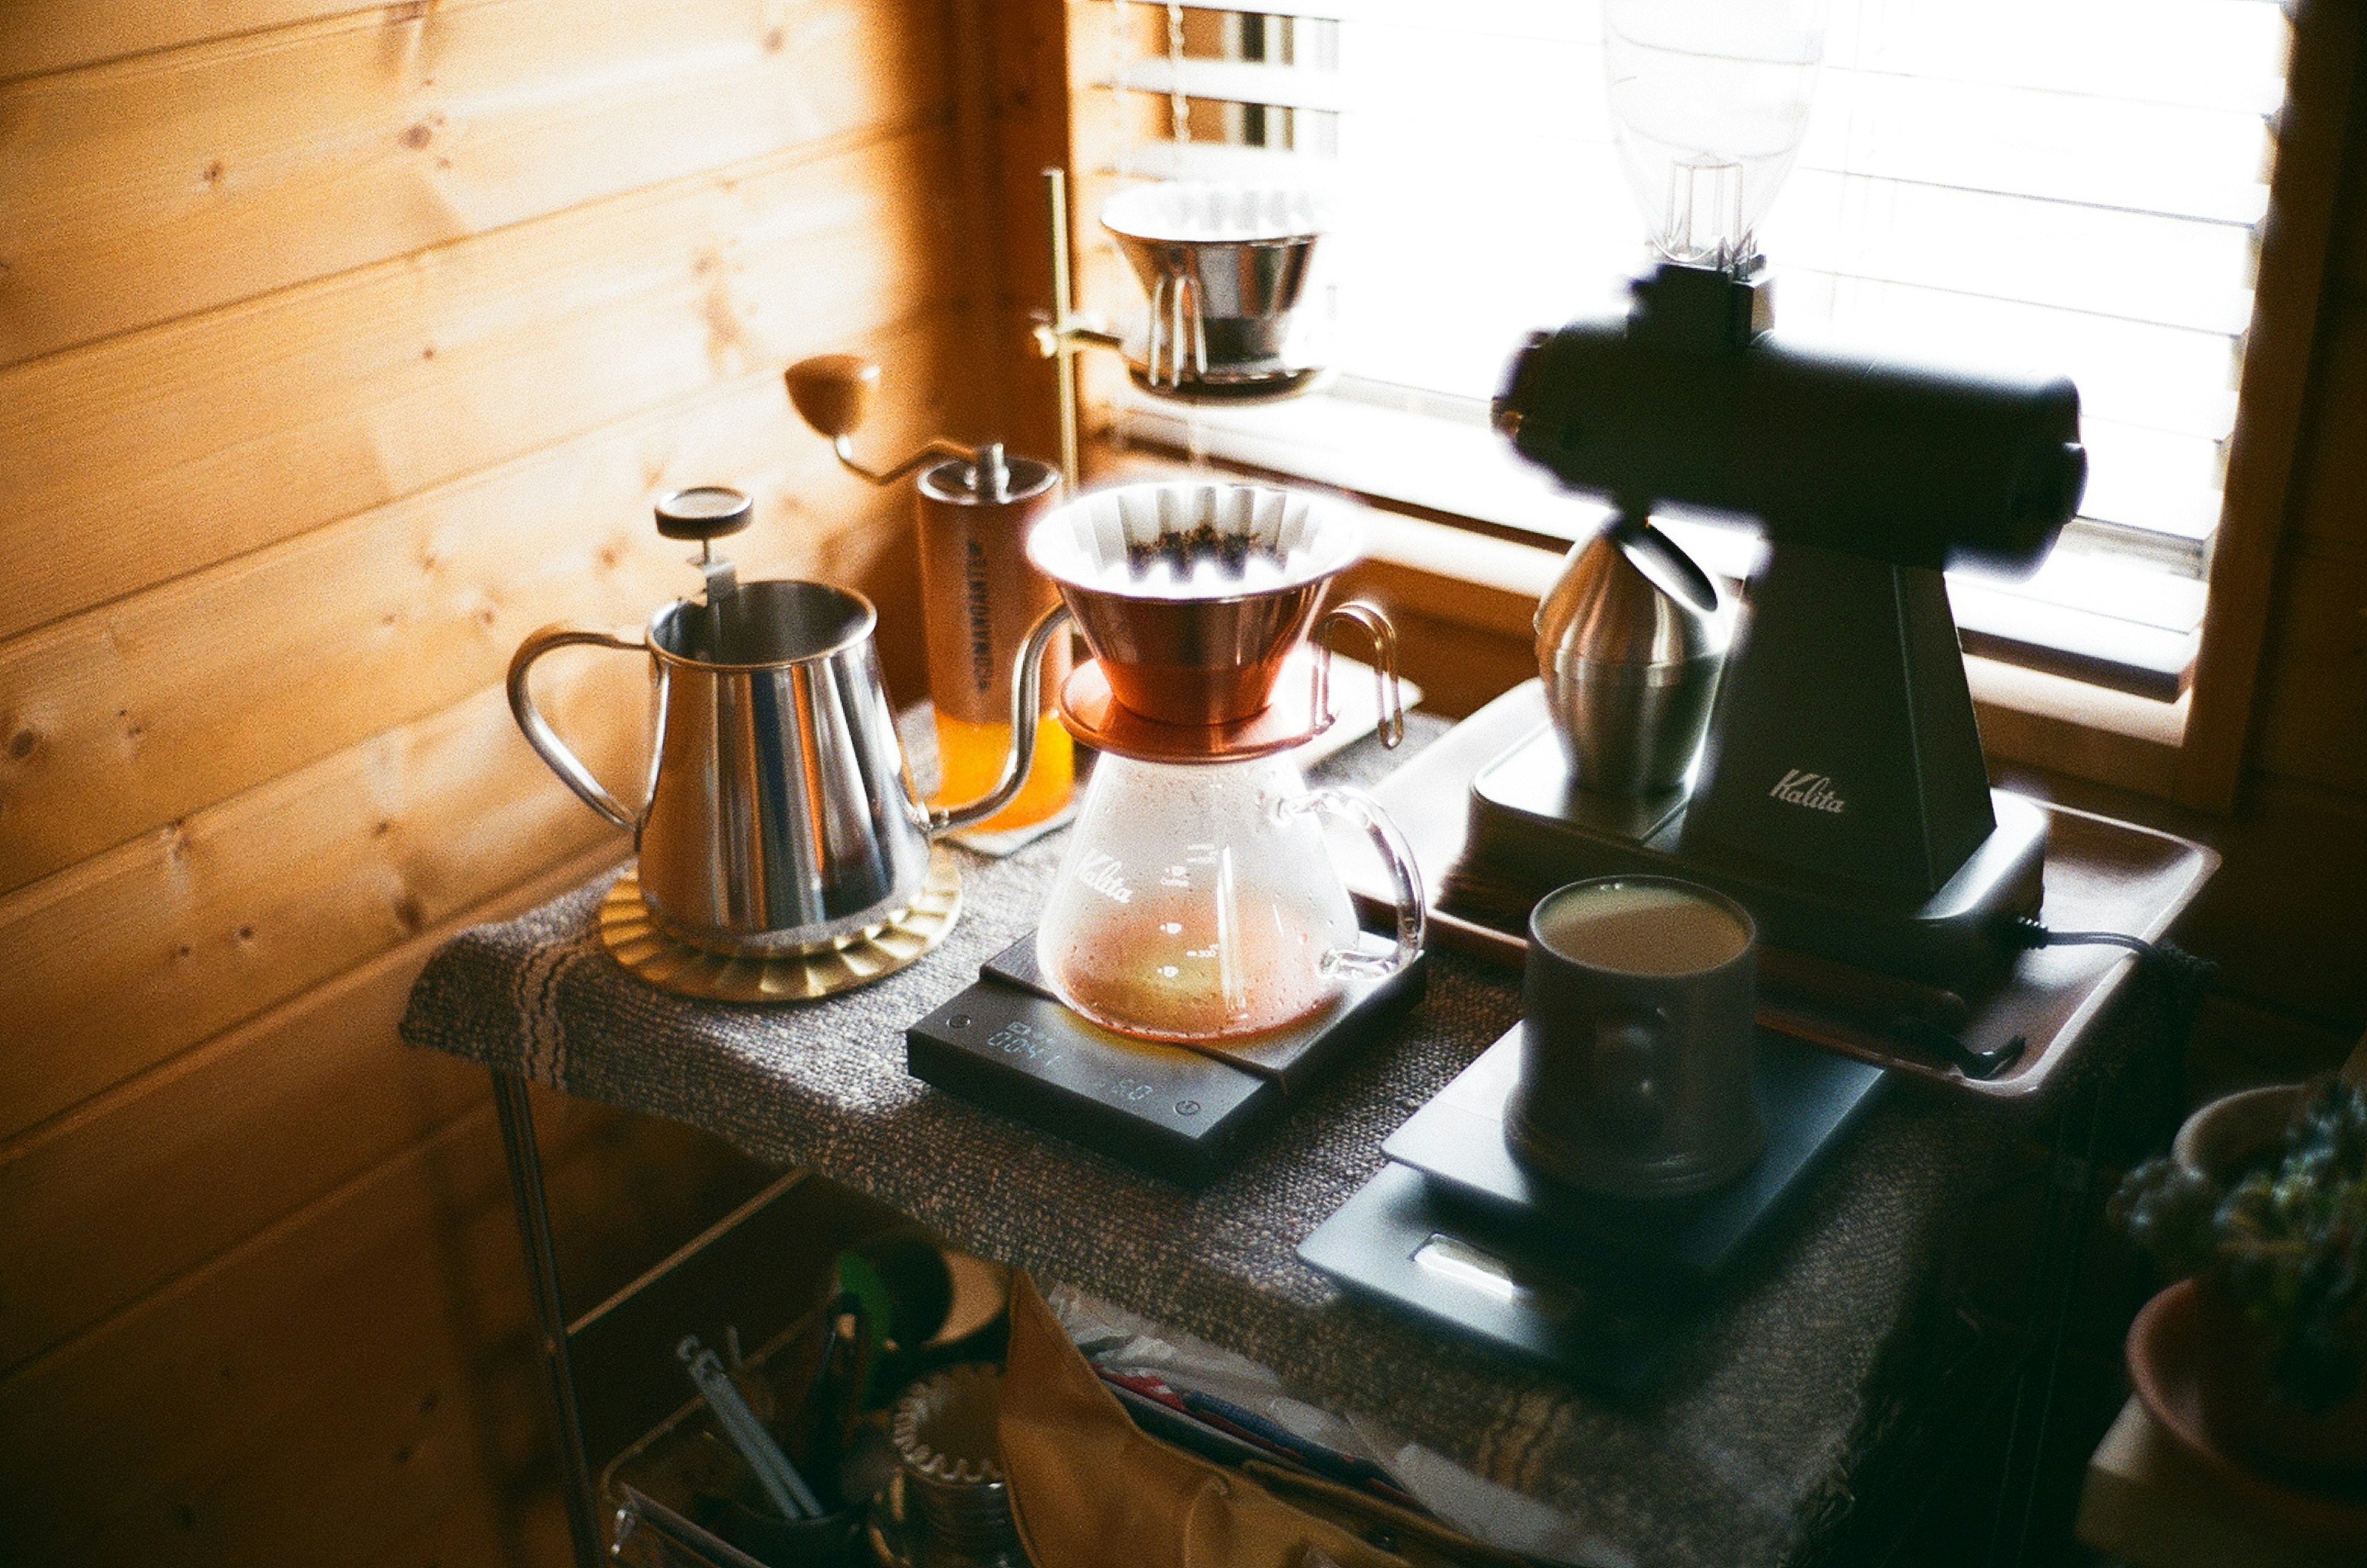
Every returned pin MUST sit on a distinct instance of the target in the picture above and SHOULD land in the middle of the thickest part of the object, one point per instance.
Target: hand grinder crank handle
(832, 393)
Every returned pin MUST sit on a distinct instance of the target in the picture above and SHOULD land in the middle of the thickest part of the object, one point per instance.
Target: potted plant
(2273, 1233)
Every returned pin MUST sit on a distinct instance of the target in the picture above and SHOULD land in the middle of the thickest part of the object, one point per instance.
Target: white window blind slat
(2063, 186)
(1241, 82)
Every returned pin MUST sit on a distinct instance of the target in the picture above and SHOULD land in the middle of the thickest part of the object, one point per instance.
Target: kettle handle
(1358, 809)
(543, 738)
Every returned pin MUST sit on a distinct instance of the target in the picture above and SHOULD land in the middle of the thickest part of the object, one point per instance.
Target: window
(2059, 185)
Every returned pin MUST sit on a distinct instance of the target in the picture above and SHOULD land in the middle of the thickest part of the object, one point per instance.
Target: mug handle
(1360, 810)
(1628, 1050)
(543, 738)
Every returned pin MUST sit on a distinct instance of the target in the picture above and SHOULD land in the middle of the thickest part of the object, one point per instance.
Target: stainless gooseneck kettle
(779, 816)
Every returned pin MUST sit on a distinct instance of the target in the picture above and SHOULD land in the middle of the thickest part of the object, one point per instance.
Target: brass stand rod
(1064, 306)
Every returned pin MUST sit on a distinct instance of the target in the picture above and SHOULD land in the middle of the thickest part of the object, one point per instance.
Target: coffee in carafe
(1192, 912)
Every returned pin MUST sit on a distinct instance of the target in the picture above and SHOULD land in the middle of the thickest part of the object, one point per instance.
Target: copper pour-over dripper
(1197, 600)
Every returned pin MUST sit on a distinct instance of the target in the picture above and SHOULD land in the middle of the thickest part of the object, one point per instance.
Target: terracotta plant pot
(2235, 1129)
(2232, 1369)
(2233, 1381)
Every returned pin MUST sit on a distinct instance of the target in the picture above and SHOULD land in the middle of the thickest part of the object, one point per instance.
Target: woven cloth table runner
(1742, 1455)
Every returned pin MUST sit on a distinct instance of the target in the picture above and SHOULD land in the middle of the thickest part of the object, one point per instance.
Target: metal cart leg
(542, 1270)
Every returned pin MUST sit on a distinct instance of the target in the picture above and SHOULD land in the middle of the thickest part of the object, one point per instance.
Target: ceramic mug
(1637, 1039)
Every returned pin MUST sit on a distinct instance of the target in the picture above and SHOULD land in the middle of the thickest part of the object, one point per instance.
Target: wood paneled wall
(340, 347)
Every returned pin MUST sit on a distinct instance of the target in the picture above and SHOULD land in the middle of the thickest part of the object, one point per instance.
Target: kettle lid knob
(704, 511)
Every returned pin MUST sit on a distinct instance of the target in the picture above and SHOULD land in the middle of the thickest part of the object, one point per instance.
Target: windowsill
(2034, 649)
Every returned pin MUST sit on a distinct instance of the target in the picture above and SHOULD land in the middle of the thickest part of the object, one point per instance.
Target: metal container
(982, 596)
(1225, 267)
(780, 817)
(1192, 596)
(947, 1505)
(1630, 641)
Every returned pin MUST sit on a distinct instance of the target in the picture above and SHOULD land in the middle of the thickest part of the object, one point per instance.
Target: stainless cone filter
(1224, 266)
(1191, 594)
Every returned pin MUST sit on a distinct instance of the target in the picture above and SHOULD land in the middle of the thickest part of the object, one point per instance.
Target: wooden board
(155, 186)
(2101, 874)
(368, 1355)
(381, 383)
(2313, 720)
(2333, 503)
(2277, 396)
(164, 1164)
(53, 35)
(137, 953)
(118, 721)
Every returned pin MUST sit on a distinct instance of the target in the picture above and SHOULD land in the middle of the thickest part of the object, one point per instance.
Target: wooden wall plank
(338, 1382)
(340, 347)
(56, 35)
(2286, 917)
(2333, 509)
(126, 718)
(164, 1461)
(163, 1166)
(132, 957)
(2313, 721)
(145, 189)
(276, 416)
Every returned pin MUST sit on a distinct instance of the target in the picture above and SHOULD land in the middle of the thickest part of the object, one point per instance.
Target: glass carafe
(1198, 901)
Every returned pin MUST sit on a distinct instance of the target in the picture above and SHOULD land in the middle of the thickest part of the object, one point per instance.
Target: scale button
(1187, 1108)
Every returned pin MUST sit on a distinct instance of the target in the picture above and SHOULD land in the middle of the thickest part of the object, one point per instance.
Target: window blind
(2062, 187)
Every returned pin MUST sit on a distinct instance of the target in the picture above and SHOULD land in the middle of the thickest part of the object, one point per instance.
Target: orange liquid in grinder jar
(969, 758)
(979, 597)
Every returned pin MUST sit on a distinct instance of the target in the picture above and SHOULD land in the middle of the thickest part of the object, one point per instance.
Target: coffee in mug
(1637, 1039)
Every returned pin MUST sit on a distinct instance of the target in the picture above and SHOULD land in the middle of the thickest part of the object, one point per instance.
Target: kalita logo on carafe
(1815, 791)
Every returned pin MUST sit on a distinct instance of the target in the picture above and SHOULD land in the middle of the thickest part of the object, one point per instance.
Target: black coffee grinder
(1841, 793)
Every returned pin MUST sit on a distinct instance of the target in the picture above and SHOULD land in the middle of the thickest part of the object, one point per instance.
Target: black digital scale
(1457, 1229)
(1008, 1043)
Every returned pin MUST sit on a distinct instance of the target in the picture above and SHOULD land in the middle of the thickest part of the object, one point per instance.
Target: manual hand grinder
(981, 598)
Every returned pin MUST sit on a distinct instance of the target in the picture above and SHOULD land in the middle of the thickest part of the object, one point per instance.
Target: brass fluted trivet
(633, 939)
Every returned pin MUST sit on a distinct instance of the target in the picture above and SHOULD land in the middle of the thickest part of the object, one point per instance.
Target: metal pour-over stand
(1222, 304)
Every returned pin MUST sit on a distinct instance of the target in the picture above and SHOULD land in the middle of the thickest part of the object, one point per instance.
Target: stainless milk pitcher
(779, 816)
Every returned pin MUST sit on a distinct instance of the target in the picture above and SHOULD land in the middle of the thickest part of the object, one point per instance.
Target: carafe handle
(1026, 707)
(543, 738)
(1358, 809)
(1390, 725)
